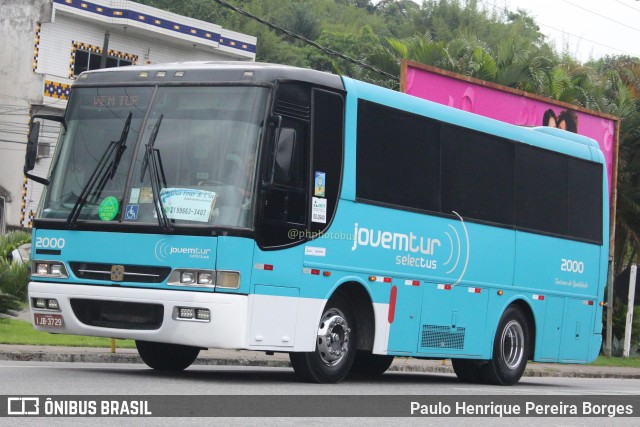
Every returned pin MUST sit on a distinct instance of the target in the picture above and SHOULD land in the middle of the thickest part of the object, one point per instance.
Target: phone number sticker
(188, 204)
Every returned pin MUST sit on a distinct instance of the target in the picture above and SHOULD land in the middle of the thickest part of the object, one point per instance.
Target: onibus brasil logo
(448, 252)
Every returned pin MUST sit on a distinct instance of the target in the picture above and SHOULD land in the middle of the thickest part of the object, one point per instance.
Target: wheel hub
(333, 337)
(512, 344)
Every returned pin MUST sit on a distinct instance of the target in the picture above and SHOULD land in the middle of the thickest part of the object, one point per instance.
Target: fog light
(203, 314)
(40, 303)
(42, 269)
(185, 313)
(52, 304)
(205, 278)
(187, 277)
(228, 279)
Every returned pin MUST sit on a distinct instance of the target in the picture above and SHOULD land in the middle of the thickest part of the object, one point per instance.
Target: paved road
(123, 378)
(49, 378)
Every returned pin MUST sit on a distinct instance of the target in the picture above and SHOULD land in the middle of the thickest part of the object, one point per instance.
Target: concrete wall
(19, 89)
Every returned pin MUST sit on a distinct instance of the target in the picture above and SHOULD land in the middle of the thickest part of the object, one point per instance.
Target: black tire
(166, 357)
(510, 349)
(468, 370)
(335, 344)
(366, 363)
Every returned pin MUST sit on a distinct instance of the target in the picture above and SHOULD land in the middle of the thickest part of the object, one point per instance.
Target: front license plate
(49, 320)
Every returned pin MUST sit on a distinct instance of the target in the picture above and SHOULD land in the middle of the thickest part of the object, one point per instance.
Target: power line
(326, 50)
(626, 5)
(602, 16)
(563, 31)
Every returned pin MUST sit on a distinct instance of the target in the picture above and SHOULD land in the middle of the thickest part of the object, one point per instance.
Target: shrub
(14, 277)
(619, 322)
(12, 241)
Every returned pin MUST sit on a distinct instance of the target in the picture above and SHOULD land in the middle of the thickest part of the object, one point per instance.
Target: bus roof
(203, 72)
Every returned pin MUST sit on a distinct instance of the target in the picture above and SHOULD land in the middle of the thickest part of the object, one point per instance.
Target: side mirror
(32, 147)
(32, 153)
(32, 144)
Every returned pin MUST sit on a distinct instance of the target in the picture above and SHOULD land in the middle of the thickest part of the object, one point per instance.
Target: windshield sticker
(319, 210)
(135, 195)
(319, 185)
(108, 208)
(131, 213)
(188, 204)
(146, 195)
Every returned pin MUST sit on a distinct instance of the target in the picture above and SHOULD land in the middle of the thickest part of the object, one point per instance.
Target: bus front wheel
(166, 357)
(335, 344)
(510, 349)
(367, 363)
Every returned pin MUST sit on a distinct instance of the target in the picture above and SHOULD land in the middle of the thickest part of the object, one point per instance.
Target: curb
(243, 361)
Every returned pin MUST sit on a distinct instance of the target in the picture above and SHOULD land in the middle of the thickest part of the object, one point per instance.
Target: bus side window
(284, 199)
(327, 141)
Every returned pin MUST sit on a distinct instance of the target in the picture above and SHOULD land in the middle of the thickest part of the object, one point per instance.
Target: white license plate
(48, 320)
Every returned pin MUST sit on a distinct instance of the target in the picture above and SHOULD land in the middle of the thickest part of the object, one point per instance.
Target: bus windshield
(194, 159)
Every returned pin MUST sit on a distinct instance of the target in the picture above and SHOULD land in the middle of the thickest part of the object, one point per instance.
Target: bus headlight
(50, 269)
(189, 277)
(205, 278)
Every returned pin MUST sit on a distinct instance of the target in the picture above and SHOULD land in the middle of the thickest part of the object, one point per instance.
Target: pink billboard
(512, 106)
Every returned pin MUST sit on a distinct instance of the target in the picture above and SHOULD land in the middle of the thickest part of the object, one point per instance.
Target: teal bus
(277, 209)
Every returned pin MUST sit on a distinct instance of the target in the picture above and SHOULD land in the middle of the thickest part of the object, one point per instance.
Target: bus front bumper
(141, 314)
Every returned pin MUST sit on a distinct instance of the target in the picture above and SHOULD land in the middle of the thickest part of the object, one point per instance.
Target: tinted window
(415, 162)
(398, 158)
(585, 199)
(541, 190)
(284, 196)
(328, 123)
(477, 175)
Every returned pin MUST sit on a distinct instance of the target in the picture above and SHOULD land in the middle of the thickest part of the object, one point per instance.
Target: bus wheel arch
(349, 312)
(365, 363)
(527, 311)
(335, 343)
(363, 311)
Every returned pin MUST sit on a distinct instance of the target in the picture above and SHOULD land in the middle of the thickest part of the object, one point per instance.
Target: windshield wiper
(103, 171)
(154, 163)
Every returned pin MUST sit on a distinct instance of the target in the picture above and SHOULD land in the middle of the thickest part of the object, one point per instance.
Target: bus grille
(118, 314)
(132, 273)
(437, 336)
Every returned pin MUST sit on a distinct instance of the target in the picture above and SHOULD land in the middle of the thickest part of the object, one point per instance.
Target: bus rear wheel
(335, 344)
(367, 363)
(166, 357)
(510, 349)
(467, 370)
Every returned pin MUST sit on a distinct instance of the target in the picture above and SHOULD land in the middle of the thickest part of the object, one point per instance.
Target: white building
(45, 44)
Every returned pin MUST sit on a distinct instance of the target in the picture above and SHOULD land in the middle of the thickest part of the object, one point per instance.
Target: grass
(628, 362)
(20, 332)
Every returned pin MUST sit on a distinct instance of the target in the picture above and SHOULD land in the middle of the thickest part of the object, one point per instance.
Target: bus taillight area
(173, 317)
